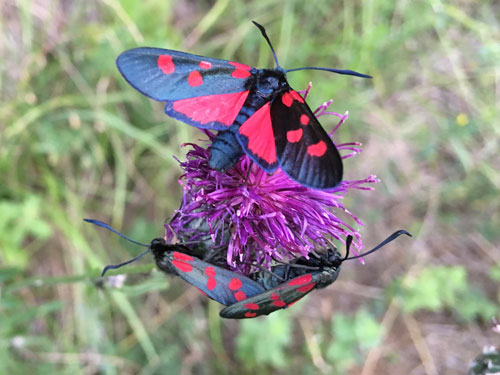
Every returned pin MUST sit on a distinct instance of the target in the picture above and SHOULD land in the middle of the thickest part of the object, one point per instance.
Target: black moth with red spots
(263, 292)
(298, 282)
(300, 277)
(219, 284)
(255, 111)
(246, 297)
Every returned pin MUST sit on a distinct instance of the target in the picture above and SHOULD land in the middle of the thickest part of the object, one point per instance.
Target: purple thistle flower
(268, 216)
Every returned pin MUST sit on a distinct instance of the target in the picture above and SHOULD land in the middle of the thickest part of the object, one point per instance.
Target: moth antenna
(392, 237)
(338, 71)
(348, 242)
(264, 34)
(108, 227)
(115, 266)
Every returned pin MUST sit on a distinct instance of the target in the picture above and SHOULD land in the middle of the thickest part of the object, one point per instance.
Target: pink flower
(266, 217)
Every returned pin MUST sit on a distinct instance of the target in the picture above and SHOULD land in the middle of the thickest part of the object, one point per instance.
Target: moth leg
(248, 173)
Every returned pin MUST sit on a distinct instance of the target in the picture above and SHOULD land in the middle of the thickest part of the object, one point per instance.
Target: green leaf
(368, 330)
(263, 340)
(18, 221)
(352, 335)
(434, 288)
(439, 287)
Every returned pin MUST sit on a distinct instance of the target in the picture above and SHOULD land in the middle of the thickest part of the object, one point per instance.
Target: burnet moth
(286, 284)
(255, 111)
(219, 284)
(246, 297)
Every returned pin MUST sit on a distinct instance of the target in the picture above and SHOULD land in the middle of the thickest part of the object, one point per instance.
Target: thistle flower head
(265, 217)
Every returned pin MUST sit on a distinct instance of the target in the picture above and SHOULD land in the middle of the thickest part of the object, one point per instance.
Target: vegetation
(76, 141)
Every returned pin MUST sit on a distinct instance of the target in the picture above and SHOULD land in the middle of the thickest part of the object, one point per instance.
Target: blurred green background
(77, 141)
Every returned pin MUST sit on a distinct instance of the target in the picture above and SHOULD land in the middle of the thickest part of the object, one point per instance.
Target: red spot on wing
(306, 288)
(235, 284)
(259, 131)
(304, 119)
(166, 64)
(209, 271)
(301, 280)
(211, 283)
(274, 296)
(279, 303)
(195, 79)
(205, 64)
(277, 300)
(240, 73)
(222, 108)
(240, 296)
(297, 96)
(240, 66)
(293, 136)
(317, 149)
(287, 99)
(182, 256)
(251, 306)
(250, 314)
(182, 266)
